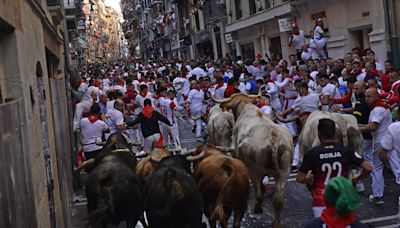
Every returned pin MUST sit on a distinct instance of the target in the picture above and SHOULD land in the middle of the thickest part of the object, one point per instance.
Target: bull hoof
(258, 209)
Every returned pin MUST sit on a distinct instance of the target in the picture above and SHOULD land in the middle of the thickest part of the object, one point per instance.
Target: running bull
(113, 190)
(347, 132)
(224, 184)
(265, 147)
(172, 197)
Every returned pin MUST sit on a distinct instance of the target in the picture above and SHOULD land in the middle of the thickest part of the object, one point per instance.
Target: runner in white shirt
(273, 92)
(391, 148)
(168, 108)
(92, 129)
(195, 99)
(115, 118)
(379, 121)
(329, 92)
(143, 95)
(86, 101)
(297, 39)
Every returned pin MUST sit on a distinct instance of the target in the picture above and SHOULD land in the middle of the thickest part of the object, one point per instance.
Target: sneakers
(293, 169)
(375, 200)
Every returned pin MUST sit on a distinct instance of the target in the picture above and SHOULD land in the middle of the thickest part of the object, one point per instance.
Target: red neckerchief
(148, 111)
(378, 103)
(93, 118)
(272, 81)
(96, 83)
(219, 85)
(143, 93)
(297, 33)
(374, 72)
(294, 64)
(333, 220)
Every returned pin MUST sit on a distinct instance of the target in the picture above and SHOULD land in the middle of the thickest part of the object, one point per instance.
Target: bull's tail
(343, 130)
(105, 208)
(218, 213)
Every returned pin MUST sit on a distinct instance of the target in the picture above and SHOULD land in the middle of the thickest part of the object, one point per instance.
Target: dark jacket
(148, 119)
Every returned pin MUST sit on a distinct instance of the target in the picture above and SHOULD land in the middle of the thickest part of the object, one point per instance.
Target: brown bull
(223, 182)
(147, 166)
(265, 147)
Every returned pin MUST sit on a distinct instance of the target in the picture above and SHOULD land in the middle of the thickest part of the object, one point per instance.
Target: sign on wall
(285, 24)
(228, 38)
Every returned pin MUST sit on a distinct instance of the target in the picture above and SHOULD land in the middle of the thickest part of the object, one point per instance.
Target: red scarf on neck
(148, 111)
(333, 220)
(93, 118)
(379, 103)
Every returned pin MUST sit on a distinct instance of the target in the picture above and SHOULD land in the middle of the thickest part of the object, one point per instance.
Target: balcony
(280, 7)
(53, 2)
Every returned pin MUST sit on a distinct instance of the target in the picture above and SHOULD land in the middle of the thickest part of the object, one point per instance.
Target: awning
(260, 17)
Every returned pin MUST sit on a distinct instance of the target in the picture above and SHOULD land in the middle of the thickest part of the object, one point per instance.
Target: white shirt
(307, 103)
(167, 109)
(90, 132)
(299, 41)
(140, 100)
(114, 118)
(391, 141)
(199, 72)
(83, 88)
(382, 117)
(361, 76)
(331, 90)
(220, 92)
(318, 32)
(195, 99)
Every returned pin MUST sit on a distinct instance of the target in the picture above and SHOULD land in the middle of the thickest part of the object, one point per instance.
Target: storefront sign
(228, 38)
(285, 24)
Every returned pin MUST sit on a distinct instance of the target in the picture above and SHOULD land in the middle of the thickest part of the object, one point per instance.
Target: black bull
(113, 190)
(173, 199)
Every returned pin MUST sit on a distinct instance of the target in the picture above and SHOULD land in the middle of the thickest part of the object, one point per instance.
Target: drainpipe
(393, 34)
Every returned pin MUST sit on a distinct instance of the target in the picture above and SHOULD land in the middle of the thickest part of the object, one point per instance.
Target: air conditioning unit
(220, 2)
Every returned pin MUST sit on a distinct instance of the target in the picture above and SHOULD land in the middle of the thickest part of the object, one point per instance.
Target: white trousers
(172, 131)
(150, 141)
(81, 107)
(296, 155)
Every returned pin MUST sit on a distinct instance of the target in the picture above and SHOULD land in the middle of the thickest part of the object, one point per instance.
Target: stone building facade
(36, 162)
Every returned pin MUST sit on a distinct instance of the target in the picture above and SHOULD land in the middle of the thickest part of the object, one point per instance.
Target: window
(252, 5)
(238, 7)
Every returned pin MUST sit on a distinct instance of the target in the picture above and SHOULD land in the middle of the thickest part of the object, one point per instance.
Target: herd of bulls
(175, 188)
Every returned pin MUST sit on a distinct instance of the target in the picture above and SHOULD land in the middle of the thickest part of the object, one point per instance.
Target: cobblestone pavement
(297, 207)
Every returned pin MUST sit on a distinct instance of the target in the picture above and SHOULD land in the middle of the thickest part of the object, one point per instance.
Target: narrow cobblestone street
(297, 208)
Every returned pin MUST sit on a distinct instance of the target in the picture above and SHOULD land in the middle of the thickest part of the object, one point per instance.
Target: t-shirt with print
(327, 162)
(382, 117)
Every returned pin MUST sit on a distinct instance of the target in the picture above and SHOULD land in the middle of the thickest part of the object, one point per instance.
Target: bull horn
(174, 150)
(219, 100)
(199, 156)
(186, 152)
(141, 154)
(226, 149)
(85, 164)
